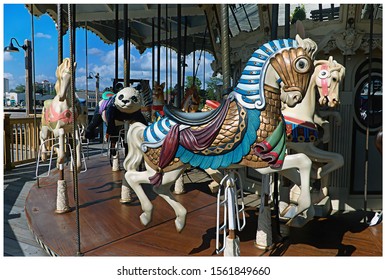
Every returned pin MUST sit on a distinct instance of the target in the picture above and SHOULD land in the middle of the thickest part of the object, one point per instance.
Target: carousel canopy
(102, 20)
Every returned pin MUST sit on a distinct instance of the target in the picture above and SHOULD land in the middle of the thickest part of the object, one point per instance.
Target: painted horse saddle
(192, 119)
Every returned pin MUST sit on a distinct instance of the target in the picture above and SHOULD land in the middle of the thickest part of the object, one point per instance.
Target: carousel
(264, 170)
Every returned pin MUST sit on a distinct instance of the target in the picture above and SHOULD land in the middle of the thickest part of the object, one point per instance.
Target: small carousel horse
(191, 100)
(250, 117)
(114, 111)
(301, 121)
(58, 117)
(158, 100)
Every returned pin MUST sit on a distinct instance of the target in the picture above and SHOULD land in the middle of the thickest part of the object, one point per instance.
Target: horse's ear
(300, 29)
(330, 59)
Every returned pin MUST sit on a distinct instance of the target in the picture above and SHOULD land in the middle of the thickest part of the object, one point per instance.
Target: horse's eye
(324, 74)
(134, 99)
(302, 65)
(120, 97)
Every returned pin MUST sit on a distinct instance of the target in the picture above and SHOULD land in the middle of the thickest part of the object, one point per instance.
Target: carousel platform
(109, 228)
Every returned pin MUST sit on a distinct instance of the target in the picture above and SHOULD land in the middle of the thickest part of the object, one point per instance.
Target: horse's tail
(135, 154)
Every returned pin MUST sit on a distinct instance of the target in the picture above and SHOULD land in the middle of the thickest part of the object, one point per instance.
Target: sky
(17, 24)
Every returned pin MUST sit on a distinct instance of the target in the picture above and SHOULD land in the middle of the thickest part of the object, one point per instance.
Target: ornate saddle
(192, 119)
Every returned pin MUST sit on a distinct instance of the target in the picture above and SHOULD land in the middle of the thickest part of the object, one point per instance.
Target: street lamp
(28, 69)
(91, 76)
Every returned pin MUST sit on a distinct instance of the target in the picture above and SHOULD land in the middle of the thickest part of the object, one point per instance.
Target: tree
(298, 14)
(189, 82)
(213, 88)
(19, 89)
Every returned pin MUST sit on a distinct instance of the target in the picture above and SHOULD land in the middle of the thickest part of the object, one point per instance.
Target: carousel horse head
(328, 75)
(158, 93)
(191, 100)
(128, 100)
(63, 75)
(294, 77)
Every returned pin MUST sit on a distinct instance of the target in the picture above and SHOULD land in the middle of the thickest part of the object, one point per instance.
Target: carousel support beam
(368, 109)
(152, 52)
(60, 33)
(287, 21)
(116, 46)
(275, 177)
(159, 45)
(126, 46)
(274, 23)
(225, 48)
(184, 52)
(179, 47)
(71, 22)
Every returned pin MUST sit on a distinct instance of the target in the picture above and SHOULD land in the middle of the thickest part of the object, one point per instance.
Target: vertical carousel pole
(62, 195)
(60, 59)
(264, 229)
(166, 56)
(72, 22)
(152, 53)
(116, 6)
(369, 104)
(184, 62)
(159, 45)
(179, 47)
(126, 46)
(36, 138)
(225, 48)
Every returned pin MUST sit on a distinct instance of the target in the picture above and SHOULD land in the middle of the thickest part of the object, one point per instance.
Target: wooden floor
(108, 228)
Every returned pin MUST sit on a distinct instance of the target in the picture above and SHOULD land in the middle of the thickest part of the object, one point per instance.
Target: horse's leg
(62, 204)
(43, 136)
(125, 192)
(114, 154)
(333, 162)
(78, 150)
(61, 153)
(303, 164)
(164, 191)
(179, 185)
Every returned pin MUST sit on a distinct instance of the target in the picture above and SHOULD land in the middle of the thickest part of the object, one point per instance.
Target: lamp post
(96, 76)
(28, 69)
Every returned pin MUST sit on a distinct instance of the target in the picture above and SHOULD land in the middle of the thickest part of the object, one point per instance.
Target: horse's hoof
(63, 211)
(287, 211)
(177, 192)
(125, 200)
(180, 224)
(144, 219)
(301, 219)
(263, 247)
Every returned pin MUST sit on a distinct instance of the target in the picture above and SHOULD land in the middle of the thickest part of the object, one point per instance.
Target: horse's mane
(58, 75)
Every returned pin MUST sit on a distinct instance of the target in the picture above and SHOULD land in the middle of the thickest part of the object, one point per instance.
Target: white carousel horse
(58, 117)
(301, 121)
(250, 117)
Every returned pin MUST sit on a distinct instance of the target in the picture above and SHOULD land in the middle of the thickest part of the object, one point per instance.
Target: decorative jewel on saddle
(300, 131)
